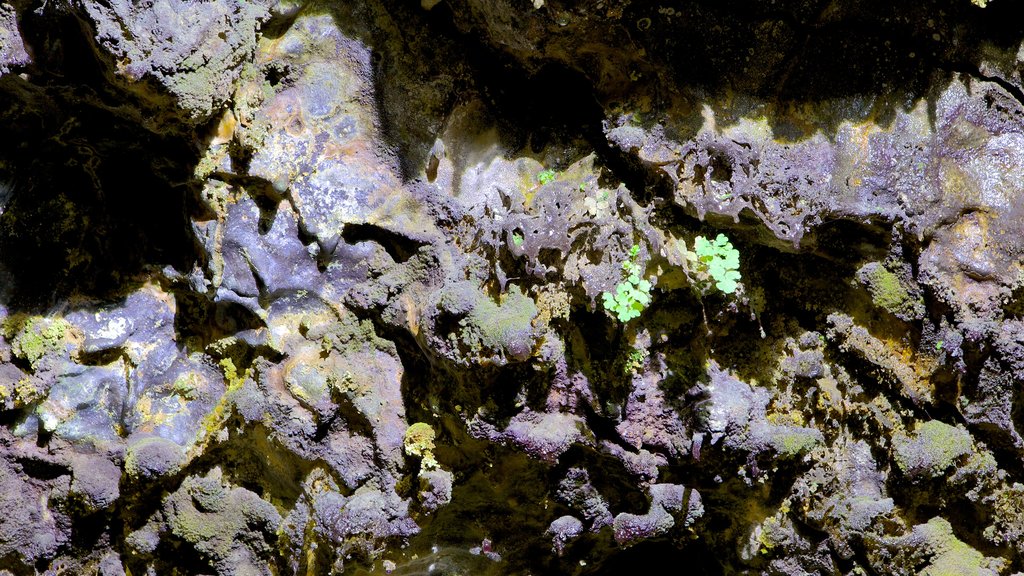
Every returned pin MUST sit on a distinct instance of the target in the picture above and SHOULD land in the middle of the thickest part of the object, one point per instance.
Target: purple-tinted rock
(85, 406)
(544, 435)
(194, 51)
(12, 47)
(229, 527)
(642, 463)
(31, 531)
(650, 421)
(368, 513)
(667, 500)
(435, 488)
(576, 491)
(150, 457)
(564, 530)
(96, 480)
(110, 565)
(261, 265)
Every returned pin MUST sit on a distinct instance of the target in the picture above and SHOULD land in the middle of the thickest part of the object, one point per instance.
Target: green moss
(791, 442)
(888, 292)
(214, 420)
(220, 521)
(932, 449)
(951, 556)
(185, 386)
(24, 392)
(33, 337)
(506, 326)
(635, 360)
(771, 534)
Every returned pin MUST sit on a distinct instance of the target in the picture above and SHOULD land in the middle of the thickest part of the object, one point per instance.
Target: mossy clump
(890, 293)
(791, 441)
(419, 442)
(505, 327)
(26, 391)
(932, 449)
(951, 556)
(34, 337)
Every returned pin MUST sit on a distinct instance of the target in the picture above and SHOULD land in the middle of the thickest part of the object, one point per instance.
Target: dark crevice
(350, 419)
(399, 247)
(100, 357)
(200, 321)
(43, 470)
(1012, 89)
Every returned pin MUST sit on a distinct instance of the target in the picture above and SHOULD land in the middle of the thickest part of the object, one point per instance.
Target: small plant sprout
(635, 360)
(631, 295)
(545, 177)
(716, 263)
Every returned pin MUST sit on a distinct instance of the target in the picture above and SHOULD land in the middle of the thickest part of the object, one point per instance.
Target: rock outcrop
(318, 287)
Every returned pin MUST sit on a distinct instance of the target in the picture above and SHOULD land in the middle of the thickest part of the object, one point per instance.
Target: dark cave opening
(98, 200)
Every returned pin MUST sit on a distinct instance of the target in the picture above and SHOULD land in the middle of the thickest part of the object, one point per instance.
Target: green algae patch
(224, 524)
(950, 555)
(34, 337)
(790, 441)
(933, 448)
(890, 293)
(505, 326)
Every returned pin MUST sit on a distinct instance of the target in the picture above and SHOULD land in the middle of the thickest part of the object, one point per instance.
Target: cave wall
(338, 287)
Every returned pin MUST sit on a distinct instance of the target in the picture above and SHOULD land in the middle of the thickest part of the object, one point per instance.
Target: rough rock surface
(309, 287)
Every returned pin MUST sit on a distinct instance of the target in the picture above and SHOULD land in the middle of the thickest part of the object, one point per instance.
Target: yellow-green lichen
(214, 421)
(635, 360)
(33, 337)
(770, 535)
(26, 391)
(552, 303)
(185, 386)
(789, 442)
(419, 441)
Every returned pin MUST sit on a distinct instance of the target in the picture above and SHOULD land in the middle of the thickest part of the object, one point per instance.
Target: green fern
(631, 295)
(718, 262)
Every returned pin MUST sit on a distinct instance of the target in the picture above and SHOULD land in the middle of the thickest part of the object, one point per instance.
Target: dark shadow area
(399, 247)
(811, 65)
(556, 73)
(496, 499)
(200, 322)
(694, 558)
(96, 199)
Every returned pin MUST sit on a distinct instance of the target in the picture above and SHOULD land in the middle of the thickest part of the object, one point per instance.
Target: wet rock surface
(349, 287)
